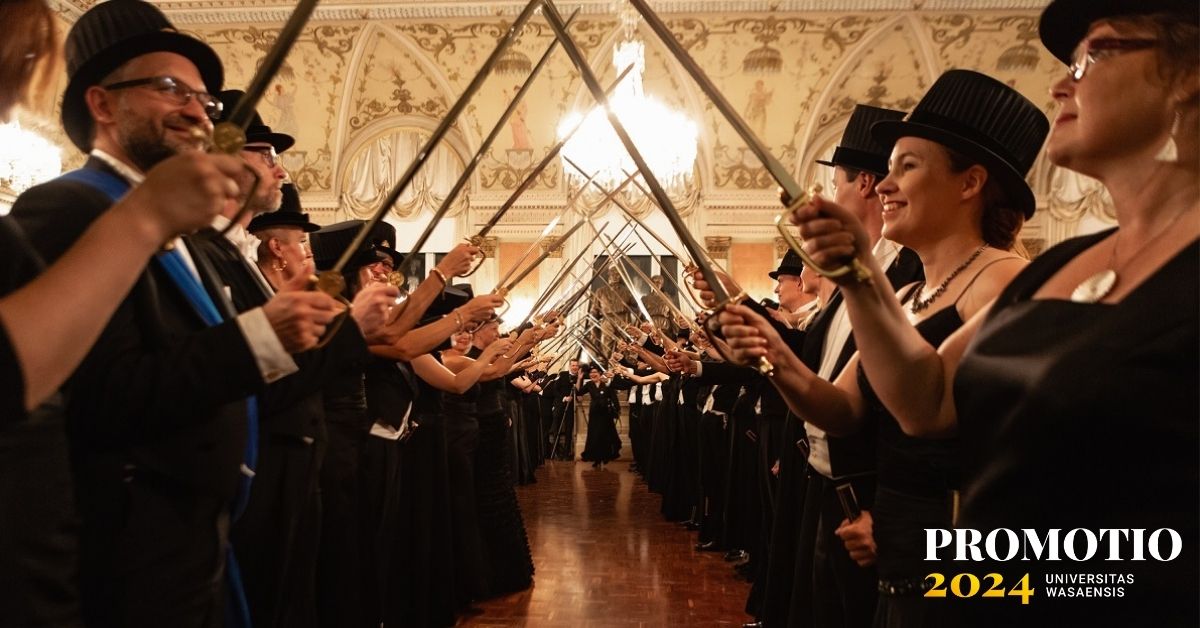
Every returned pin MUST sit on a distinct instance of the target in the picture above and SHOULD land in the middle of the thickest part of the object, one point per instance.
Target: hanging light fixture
(26, 158)
(665, 137)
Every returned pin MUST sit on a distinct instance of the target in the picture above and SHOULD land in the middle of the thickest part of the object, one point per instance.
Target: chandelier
(665, 137)
(26, 158)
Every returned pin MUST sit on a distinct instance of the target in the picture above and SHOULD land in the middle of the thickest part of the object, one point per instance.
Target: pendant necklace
(1096, 287)
(919, 304)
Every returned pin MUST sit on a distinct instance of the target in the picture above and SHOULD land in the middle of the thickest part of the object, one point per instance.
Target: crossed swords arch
(226, 139)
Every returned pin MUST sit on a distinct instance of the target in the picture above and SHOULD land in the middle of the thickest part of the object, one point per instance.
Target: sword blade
(542, 165)
(243, 111)
(427, 149)
(558, 243)
(658, 192)
(791, 188)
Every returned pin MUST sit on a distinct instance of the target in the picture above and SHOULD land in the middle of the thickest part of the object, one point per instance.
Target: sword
(230, 136)
(660, 293)
(620, 266)
(666, 342)
(568, 268)
(792, 192)
(659, 194)
(629, 212)
(469, 167)
(530, 179)
(332, 279)
(556, 282)
(504, 289)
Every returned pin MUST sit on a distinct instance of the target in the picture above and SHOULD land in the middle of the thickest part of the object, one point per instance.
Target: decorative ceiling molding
(183, 12)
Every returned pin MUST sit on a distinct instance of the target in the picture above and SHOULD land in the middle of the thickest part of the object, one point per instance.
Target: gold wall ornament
(513, 63)
(551, 246)
(781, 247)
(718, 246)
(342, 89)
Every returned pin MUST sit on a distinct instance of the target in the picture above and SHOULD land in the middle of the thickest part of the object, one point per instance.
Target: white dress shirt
(885, 252)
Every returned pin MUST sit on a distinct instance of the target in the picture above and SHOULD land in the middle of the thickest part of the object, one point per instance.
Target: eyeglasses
(176, 91)
(1101, 48)
(268, 153)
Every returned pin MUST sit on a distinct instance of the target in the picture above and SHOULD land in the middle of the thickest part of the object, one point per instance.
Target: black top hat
(383, 242)
(984, 119)
(329, 242)
(1066, 22)
(288, 214)
(107, 36)
(791, 264)
(859, 149)
(257, 131)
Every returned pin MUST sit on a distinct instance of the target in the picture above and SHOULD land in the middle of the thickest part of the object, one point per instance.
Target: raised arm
(913, 379)
(48, 333)
(443, 378)
(426, 338)
(653, 378)
(456, 262)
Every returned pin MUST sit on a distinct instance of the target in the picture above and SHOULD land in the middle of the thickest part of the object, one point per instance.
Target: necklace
(920, 304)
(1096, 287)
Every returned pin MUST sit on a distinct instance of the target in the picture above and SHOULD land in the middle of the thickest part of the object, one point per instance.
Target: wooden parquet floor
(605, 558)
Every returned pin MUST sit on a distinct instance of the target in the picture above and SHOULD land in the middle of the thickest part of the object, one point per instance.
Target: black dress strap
(978, 273)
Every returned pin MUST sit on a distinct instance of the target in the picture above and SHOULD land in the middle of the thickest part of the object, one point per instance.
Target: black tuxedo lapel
(814, 338)
(246, 290)
(210, 277)
(905, 269)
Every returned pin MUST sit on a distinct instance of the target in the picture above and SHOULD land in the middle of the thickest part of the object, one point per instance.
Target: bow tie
(246, 243)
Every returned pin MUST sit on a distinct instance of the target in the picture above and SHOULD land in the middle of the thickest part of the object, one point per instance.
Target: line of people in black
(191, 435)
(945, 381)
(192, 438)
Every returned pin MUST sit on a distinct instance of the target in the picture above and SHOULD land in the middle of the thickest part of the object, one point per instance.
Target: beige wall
(750, 262)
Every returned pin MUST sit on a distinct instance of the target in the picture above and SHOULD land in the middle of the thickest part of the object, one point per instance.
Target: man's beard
(260, 201)
(147, 145)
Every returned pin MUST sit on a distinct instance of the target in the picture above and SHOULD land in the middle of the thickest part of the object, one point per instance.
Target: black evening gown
(603, 443)
(339, 566)
(391, 388)
(462, 442)
(509, 563)
(918, 478)
(422, 570)
(1079, 415)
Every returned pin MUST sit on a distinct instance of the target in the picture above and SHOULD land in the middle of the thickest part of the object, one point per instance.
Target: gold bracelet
(440, 275)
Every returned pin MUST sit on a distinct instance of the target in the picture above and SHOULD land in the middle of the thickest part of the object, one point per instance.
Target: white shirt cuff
(274, 362)
(699, 368)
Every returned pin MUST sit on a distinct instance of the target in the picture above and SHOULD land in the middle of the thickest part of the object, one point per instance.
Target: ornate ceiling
(368, 78)
(224, 11)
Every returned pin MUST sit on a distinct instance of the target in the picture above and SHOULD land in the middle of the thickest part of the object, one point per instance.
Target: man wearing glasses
(160, 412)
